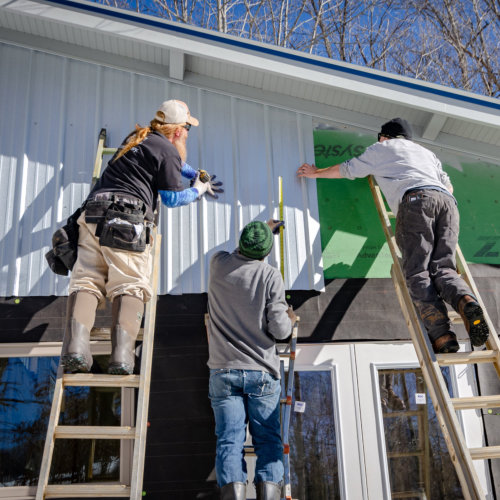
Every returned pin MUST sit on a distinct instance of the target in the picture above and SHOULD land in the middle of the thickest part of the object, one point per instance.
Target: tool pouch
(95, 211)
(124, 231)
(62, 257)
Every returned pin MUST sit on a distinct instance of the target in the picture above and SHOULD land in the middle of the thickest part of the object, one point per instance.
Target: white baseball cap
(174, 112)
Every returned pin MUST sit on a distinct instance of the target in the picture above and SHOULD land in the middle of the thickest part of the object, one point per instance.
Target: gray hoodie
(248, 311)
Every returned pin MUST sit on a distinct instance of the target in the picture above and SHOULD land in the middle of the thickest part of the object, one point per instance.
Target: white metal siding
(52, 110)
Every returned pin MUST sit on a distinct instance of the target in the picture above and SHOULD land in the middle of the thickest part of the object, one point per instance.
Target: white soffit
(222, 57)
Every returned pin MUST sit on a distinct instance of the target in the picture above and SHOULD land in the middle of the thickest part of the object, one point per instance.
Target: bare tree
(451, 42)
(461, 43)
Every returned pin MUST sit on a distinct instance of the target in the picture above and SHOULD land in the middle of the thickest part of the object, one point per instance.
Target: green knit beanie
(256, 240)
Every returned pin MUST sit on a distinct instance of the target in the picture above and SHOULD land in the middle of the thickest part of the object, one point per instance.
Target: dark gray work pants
(427, 228)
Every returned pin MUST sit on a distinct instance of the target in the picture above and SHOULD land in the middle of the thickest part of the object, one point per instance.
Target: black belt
(118, 197)
(123, 199)
(413, 194)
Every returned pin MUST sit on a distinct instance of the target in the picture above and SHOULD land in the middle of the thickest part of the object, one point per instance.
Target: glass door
(326, 450)
(401, 432)
(365, 427)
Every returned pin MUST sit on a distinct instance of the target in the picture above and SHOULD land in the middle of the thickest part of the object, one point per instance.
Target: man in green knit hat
(247, 313)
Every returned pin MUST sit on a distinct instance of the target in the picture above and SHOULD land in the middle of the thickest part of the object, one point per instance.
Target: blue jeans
(239, 397)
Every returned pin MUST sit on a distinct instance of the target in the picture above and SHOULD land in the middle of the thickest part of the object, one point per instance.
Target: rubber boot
(266, 490)
(80, 315)
(473, 318)
(234, 491)
(127, 314)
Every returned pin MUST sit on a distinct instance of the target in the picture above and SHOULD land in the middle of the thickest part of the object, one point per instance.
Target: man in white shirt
(419, 193)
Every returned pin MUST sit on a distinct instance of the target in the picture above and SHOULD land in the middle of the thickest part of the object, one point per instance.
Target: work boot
(267, 490)
(445, 344)
(474, 321)
(80, 315)
(127, 312)
(233, 491)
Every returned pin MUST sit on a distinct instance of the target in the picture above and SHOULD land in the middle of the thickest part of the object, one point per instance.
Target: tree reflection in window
(313, 443)
(419, 462)
(26, 387)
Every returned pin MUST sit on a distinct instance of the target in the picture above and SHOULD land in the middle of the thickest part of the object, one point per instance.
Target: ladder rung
(455, 318)
(408, 494)
(90, 490)
(98, 333)
(390, 215)
(405, 454)
(403, 413)
(476, 402)
(459, 358)
(485, 452)
(93, 380)
(94, 432)
(249, 451)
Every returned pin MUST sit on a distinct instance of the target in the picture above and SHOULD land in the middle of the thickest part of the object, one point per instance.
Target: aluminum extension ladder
(287, 383)
(131, 485)
(430, 363)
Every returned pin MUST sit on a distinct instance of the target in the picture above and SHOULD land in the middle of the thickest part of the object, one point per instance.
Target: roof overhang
(338, 93)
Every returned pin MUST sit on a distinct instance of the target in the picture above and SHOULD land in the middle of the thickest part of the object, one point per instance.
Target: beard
(180, 145)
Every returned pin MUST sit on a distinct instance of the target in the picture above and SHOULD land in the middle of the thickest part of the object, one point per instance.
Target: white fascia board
(264, 57)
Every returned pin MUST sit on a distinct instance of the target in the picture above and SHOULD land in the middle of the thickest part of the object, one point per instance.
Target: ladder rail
(144, 385)
(438, 391)
(43, 478)
(101, 144)
(287, 409)
(126, 433)
(445, 411)
(493, 343)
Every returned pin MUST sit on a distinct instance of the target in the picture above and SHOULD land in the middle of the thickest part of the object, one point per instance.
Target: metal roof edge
(290, 55)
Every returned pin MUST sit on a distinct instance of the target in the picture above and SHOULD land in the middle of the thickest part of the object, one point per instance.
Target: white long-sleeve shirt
(398, 165)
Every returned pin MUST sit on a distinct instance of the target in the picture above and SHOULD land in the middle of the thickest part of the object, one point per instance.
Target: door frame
(363, 468)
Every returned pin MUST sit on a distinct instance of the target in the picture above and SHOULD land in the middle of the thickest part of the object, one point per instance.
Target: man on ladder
(419, 193)
(114, 252)
(114, 231)
(247, 312)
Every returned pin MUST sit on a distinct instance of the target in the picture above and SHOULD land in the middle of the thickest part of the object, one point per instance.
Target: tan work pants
(109, 272)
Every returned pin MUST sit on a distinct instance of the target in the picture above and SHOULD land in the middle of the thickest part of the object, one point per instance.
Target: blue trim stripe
(269, 50)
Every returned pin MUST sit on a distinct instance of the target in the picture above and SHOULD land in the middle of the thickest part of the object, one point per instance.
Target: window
(418, 459)
(26, 387)
(313, 439)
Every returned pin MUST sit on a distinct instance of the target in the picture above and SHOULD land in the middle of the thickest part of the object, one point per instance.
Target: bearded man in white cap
(114, 251)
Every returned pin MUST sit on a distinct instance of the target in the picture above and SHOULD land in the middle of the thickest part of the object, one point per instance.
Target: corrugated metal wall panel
(56, 108)
(15, 64)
